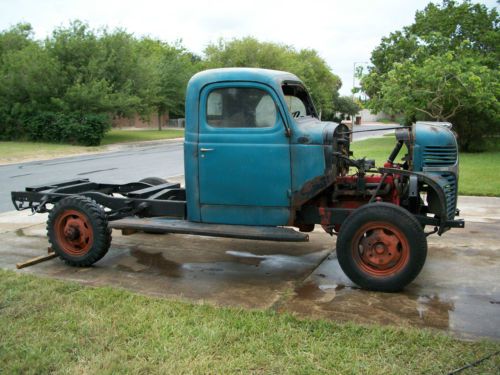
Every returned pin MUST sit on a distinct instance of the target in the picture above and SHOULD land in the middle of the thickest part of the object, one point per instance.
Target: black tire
(154, 181)
(78, 231)
(381, 247)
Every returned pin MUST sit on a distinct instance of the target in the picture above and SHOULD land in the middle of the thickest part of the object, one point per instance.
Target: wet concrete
(252, 274)
(458, 290)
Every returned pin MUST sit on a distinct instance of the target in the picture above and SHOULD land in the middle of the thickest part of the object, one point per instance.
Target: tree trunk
(159, 120)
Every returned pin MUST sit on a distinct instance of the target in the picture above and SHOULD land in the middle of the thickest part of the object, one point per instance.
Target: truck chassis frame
(140, 206)
(135, 198)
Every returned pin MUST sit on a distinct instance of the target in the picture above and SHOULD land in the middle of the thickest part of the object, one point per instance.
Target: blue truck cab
(261, 165)
(246, 154)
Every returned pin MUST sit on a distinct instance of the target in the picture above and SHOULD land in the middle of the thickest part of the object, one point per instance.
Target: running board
(166, 225)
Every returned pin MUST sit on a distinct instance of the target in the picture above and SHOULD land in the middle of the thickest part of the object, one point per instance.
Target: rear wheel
(78, 231)
(381, 247)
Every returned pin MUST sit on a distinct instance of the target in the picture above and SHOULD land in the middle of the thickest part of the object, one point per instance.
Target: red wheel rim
(74, 232)
(380, 249)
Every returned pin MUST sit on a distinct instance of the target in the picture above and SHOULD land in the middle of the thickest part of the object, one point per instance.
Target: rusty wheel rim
(380, 249)
(74, 232)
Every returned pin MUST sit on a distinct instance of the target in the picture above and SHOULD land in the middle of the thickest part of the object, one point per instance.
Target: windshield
(298, 100)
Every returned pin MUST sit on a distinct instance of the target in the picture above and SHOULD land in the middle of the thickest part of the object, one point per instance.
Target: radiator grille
(450, 191)
(439, 156)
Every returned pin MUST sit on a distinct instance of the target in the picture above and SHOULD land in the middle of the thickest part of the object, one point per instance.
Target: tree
(306, 64)
(15, 39)
(345, 106)
(101, 70)
(29, 81)
(442, 67)
(68, 87)
(171, 68)
(79, 78)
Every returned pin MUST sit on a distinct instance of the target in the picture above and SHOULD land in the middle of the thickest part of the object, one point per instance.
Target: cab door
(243, 156)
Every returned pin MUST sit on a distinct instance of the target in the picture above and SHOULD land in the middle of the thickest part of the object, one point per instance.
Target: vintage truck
(261, 165)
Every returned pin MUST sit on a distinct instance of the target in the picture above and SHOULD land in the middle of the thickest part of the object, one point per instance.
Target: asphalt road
(131, 164)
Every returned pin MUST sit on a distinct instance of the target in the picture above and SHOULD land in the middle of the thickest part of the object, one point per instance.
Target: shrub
(74, 128)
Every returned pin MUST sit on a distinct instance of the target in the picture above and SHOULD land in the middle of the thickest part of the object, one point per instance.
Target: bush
(74, 128)
(476, 130)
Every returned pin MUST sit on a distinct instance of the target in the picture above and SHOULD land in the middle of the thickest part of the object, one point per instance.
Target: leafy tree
(100, 69)
(82, 78)
(345, 106)
(16, 38)
(306, 64)
(68, 87)
(442, 67)
(172, 67)
(29, 81)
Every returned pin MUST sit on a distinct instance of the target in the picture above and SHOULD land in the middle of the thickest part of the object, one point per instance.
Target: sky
(343, 32)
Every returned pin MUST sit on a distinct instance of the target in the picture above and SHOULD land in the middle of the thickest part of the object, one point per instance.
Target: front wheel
(381, 247)
(78, 231)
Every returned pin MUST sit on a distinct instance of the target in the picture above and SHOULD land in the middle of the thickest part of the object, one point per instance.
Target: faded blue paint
(309, 162)
(246, 173)
(435, 152)
(426, 135)
(252, 173)
(312, 129)
(191, 150)
(245, 215)
(309, 151)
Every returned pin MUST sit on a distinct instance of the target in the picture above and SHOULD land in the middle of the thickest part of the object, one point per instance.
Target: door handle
(206, 149)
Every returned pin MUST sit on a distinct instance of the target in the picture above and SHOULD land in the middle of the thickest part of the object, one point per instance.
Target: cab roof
(266, 76)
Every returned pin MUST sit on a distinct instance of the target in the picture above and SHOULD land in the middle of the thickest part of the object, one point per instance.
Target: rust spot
(312, 188)
(325, 216)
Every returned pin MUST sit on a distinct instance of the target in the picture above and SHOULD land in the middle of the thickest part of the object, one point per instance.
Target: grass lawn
(478, 171)
(50, 326)
(11, 152)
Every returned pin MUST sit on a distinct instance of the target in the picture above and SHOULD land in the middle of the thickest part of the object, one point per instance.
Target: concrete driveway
(458, 290)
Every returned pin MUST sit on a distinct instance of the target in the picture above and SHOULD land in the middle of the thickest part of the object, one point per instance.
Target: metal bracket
(427, 234)
(413, 186)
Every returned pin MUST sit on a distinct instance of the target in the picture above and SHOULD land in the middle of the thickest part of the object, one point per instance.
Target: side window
(295, 106)
(240, 107)
(298, 100)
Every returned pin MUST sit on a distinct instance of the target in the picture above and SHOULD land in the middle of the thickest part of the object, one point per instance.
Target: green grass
(121, 136)
(49, 326)
(12, 152)
(478, 171)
